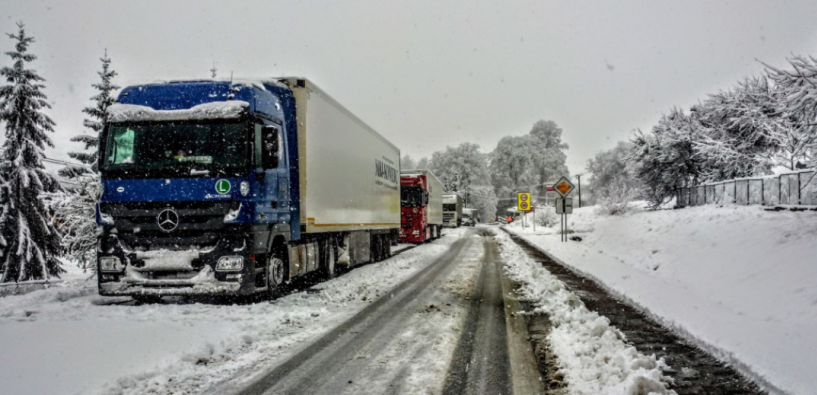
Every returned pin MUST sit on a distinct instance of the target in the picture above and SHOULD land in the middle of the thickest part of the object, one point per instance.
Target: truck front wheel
(276, 273)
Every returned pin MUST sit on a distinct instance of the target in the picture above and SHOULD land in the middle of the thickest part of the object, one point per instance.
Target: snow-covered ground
(69, 340)
(739, 281)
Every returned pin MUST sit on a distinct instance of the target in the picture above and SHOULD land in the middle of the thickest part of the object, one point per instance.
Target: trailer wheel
(377, 248)
(386, 247)
(328, 258)
(276, 274)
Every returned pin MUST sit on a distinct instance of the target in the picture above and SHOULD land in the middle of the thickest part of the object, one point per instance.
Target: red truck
(421, 206)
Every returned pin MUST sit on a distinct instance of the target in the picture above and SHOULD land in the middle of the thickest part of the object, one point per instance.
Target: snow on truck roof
(248, 82)
(118, 112)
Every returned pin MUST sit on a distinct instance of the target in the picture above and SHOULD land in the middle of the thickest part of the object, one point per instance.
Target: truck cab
(420, 206)
(452, 210)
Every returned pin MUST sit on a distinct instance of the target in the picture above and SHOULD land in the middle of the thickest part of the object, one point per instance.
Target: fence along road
(790, 189)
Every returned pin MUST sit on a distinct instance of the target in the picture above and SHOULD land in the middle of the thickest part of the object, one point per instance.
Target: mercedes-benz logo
(167, 220)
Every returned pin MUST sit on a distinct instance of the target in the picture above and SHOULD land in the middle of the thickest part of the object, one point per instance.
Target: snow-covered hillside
(740, 281)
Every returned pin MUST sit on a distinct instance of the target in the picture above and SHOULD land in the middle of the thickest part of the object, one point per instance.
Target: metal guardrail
(790, 189)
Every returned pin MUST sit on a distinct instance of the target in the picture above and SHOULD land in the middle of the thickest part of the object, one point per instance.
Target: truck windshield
(411, 196)
(450, 207)
(178, 149)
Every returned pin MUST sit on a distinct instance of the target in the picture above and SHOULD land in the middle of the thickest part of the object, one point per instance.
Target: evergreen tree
(98, 116)
(29, 241)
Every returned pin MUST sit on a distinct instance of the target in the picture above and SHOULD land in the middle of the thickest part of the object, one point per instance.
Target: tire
(329, 257)
(386, 247)
(374, 249)
(147, 299)
(276, 274)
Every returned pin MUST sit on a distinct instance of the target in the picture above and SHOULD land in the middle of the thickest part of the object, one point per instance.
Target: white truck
(470, 216)
(452, 210)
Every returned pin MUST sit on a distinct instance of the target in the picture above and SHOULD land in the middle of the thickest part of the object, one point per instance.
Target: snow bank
(739, 281)
(118, 112)
(592, 355)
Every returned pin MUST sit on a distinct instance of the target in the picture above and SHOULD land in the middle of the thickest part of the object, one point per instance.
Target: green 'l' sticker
(223, 186)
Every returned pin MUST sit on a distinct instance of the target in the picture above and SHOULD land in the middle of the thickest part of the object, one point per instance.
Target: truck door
(271, 168)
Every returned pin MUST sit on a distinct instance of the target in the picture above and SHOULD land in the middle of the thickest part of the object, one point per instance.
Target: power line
(62, 162)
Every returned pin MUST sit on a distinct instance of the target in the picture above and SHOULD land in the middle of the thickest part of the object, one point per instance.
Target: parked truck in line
(452, 210)
(421, 205)
(233, 188)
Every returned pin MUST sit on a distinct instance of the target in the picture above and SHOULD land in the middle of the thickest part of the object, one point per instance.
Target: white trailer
(350, 178)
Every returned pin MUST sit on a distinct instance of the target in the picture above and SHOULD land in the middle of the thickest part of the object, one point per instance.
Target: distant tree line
(490, 181)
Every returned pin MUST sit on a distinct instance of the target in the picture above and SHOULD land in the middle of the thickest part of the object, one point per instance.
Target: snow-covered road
(68, 340)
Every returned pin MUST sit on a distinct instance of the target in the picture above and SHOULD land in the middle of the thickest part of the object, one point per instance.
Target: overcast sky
(427, 74)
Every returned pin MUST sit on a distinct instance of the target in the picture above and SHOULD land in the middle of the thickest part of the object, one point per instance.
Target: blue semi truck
(235, 187)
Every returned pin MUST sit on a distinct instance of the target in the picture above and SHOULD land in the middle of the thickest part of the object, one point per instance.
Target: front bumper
(407, 235)
(180, 272)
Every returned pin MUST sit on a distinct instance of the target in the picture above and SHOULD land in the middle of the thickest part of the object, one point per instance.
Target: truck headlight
(415, 210)
(416, 232)
(110, 264)
(244, 187)
(230, 264)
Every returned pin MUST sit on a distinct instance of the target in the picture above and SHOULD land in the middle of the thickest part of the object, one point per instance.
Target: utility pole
(579, 177)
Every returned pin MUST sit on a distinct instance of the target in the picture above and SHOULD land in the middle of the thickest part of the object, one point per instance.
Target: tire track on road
(316, 368)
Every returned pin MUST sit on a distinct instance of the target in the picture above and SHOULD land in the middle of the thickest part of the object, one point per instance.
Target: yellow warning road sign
(523, 201)
(564, 186)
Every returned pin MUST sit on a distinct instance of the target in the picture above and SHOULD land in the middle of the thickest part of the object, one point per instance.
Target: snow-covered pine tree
(103, 99)
(29, 241)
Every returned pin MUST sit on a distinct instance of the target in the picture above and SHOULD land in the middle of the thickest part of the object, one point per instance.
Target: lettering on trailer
(385, 171)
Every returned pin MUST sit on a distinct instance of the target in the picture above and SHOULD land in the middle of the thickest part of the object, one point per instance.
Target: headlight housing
(110, 264)
(231, 263)
(244, 187)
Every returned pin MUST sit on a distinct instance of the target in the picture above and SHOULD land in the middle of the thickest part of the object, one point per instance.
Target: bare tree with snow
(464, 169)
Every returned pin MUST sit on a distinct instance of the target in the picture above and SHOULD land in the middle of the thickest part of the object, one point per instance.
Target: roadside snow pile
(738, 281)
(215, 110)
(593, 356)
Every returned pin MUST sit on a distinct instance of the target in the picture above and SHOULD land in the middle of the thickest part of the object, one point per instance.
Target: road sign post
(564, 205)
(523, 204)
